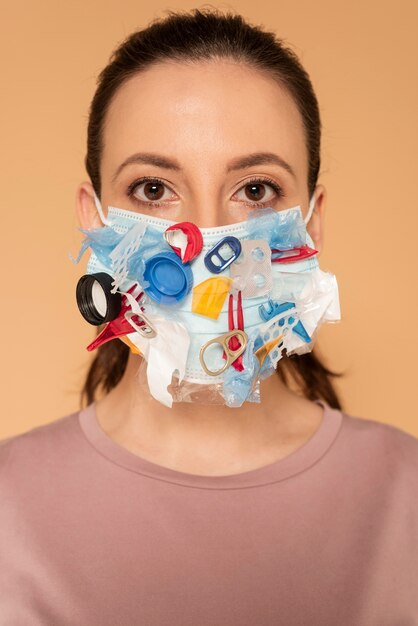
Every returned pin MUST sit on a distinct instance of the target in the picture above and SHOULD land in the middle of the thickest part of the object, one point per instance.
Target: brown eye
(149, 191)
(153, 191)
(255, 191)
(260, 190)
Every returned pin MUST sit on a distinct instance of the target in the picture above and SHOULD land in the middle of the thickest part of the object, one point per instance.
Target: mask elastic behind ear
(310, 209)
(98, 204)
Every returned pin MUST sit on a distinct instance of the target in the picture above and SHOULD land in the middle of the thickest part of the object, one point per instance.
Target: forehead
(213, 109)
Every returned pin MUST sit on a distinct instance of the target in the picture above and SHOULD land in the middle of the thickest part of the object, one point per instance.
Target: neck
(132, 417)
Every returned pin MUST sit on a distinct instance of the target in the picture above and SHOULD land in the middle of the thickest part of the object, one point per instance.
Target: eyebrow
(249, 160)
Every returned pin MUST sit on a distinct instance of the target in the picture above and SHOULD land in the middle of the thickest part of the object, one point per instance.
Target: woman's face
(201, 134)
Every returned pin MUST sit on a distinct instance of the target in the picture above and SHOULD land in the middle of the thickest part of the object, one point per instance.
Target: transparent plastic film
(186, 391)
(251, 273)
(281, 229)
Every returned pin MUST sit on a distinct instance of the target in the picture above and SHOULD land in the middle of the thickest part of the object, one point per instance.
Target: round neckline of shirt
(297, 461)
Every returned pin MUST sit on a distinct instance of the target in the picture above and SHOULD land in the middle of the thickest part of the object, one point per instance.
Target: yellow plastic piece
(263, 351)
(129, 343)
(209, 296)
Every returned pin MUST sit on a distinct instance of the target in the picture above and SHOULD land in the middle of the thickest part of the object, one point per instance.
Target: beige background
(362, 58)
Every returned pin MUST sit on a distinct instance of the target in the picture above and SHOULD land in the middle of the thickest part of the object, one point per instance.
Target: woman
(285, 510)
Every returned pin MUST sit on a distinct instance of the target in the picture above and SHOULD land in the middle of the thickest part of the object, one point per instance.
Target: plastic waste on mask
(323, 307)
(120, 325)
(222, 254)
(151, 244)
(185, 239)
(242, 386)
(209, 296)
(293, 286)
(130, 345)
(316, 294)
(274, 309)
(268, 346)
(284, 230)
(305, 347)
(96, 302)
(101, 240)
(233, 343)
(140, 323)
(300, 330)
(313, 293)
(231, 353)
(280, 329)
(166, 279)
(124, 250)
(271, 308)
(186, 391)
(263, 351)
(251, 273)
(165, 354)
(290, 256)
(138, 320)
(326, 291)
(128, 258)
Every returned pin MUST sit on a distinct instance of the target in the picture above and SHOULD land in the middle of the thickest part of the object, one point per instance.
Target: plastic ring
(231, 355)
(94, 298)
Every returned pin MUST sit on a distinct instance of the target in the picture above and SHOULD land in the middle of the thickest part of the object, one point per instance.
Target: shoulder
(380, 443)
(47, 441)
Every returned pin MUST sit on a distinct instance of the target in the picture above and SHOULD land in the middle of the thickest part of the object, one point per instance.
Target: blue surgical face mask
(218, 322)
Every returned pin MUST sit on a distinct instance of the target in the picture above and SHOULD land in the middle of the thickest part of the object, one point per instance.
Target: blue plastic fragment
(101, 240)
(282, 229)
(300, 330)
(271, 309)
(235, 246)
(237, 386)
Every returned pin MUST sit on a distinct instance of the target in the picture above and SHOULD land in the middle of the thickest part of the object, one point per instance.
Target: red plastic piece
(119, 326)
(194, 241)
(234, 343)
(298, 253)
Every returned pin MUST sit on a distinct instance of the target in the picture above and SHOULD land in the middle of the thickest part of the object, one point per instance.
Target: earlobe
(315, 226)
(87, 214)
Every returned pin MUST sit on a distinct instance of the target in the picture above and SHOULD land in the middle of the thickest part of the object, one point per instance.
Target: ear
(315, 226)
(87, 214)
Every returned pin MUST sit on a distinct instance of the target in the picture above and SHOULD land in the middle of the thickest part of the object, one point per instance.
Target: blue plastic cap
(169, 279)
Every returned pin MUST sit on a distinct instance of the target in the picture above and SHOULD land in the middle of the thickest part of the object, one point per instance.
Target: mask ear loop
(311, 208)
(100, 210)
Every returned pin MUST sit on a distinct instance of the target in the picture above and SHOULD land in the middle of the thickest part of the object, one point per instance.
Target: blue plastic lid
(169, 279)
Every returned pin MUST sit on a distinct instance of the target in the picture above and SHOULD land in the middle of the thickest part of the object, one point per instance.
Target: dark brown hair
(188, 37)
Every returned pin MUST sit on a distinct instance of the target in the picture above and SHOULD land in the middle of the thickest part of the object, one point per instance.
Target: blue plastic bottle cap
(169, 279)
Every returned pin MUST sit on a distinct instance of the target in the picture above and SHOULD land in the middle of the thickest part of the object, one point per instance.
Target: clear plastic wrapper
(281, 229)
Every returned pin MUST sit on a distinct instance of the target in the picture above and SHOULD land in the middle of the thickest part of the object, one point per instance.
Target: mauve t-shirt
(93, 535)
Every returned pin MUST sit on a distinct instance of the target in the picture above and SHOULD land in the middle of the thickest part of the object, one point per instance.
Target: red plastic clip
(185, 239)
(119, 326)
(234, 343)
(295, 254)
